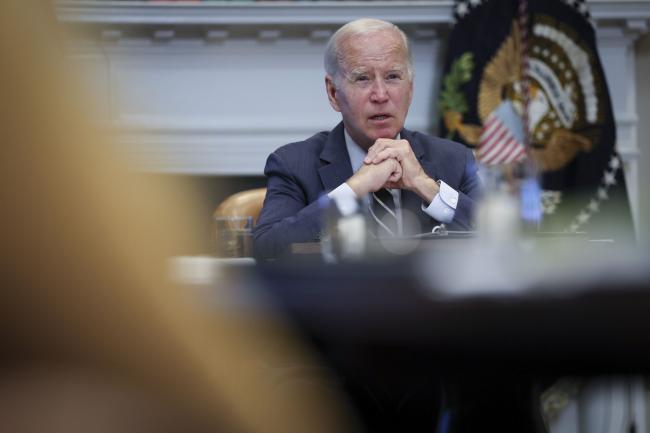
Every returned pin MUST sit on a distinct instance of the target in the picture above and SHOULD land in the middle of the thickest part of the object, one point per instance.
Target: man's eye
(362, 78)
(393, 76)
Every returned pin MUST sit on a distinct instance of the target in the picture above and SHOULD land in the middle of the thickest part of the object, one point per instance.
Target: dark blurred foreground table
(383, 323)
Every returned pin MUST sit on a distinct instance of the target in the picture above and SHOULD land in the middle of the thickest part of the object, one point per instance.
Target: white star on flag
(594, 206)
(574, 227)
(583, 217)
(475, 2)
(614, 163)
(609, 178)
(461, 9)
(602, 194)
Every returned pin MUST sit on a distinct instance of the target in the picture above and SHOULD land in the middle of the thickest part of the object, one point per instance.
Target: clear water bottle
(498, 212)
(344, 236)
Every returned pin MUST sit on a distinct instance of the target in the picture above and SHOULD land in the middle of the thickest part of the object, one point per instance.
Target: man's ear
(332, 93)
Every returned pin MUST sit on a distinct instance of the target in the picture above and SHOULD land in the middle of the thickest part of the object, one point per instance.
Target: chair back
(243, 203)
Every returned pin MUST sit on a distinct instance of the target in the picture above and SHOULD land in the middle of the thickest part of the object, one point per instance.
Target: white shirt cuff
(345, 198)
(343, 191)
(443, 206)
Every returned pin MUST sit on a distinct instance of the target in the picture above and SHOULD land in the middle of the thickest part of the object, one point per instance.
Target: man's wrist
(443, 206)
(426, 188)
(355, 186)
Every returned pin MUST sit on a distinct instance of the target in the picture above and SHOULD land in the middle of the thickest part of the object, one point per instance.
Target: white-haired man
(369, 80)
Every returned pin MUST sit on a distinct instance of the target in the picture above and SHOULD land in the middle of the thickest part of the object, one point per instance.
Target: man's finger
(383, 144)
(379, 145)
(397, 172)
(370, 155)
(386, 154)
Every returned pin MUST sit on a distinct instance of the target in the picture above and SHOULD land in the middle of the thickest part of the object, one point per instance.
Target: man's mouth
(380, 117)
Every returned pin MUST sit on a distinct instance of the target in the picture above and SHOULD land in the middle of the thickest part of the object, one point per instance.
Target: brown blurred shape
(94, 337)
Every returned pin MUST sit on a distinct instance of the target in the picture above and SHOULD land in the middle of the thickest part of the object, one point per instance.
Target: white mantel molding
(247, 13)
(128, 13)
(251, 13)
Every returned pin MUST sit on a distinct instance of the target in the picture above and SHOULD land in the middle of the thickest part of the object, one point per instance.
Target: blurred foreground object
(94, 336)
(344, 235)
(494, 322)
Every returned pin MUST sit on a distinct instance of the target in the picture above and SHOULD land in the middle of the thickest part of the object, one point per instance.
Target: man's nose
(379, 92)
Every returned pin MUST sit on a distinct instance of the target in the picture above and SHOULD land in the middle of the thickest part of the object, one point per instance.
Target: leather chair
(243, 203)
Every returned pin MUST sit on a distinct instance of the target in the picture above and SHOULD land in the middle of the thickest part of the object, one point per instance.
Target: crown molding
(136, 13)
(247, 13)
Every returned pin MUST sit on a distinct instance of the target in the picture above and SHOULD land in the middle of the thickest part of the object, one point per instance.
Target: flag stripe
(492, 129)
(512, 149)
(497, 157)
(504, 149)
(517, 156)
(496, 139)
(494, 146)
(489, 127)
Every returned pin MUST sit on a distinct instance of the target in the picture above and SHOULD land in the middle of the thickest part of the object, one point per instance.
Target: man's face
(374, 88)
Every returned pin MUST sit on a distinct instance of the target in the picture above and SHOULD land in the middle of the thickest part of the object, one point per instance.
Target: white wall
(193, 106)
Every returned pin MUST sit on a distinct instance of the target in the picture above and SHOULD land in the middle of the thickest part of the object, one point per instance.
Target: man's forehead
(365, 68)
(357, 50)
(388, 39)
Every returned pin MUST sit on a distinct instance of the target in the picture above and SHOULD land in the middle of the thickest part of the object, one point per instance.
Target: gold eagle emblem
(564, 106)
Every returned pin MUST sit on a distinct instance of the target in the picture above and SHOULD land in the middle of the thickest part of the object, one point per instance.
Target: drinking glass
(233, 236)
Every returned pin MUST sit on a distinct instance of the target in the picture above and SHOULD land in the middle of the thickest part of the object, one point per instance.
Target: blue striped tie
(384, 213)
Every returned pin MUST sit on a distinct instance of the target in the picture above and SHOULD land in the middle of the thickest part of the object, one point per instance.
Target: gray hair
(333, 54)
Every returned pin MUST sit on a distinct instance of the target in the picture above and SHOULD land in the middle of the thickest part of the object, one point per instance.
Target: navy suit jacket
(299, 173)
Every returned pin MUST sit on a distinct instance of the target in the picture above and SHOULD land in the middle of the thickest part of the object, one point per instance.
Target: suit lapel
(336, 167)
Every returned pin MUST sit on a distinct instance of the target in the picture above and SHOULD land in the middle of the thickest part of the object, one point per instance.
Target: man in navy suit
(369, 80)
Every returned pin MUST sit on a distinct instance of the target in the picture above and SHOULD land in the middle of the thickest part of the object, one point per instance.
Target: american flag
(501, 141)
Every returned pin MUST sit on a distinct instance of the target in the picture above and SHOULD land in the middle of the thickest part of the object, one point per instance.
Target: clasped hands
(392, 164)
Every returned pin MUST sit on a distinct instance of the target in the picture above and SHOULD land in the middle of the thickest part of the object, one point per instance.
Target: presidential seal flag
(523, 81)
